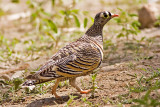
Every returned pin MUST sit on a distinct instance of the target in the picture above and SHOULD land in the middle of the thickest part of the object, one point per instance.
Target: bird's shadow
(52, 101)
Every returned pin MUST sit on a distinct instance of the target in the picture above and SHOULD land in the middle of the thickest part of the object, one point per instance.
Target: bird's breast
(99, 47)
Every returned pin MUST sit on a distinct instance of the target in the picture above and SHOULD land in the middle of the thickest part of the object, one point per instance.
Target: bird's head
(102, 18)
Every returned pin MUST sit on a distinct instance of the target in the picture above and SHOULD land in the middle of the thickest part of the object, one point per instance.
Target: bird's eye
(105, 15)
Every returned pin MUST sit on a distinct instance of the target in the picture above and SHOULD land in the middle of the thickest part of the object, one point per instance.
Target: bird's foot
(85, 91)
(56, 96)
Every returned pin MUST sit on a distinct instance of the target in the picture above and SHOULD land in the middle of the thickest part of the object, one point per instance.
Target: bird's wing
(87, 59)
(72, 60)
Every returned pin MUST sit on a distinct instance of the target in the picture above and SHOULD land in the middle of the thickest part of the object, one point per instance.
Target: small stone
(17, 74)
(108, 68)
(5, 76)
(146, 16)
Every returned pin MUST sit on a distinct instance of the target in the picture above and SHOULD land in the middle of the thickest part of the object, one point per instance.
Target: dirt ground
(118, 72)
(114, 78)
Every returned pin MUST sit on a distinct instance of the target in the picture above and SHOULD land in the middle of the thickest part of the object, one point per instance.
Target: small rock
(108, 68)
(132, 83)
(146, 15)
(31, 87)
(5, 76)
(17, 74)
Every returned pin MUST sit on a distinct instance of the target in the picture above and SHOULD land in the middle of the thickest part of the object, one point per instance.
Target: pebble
(17, 74)
(147, 15)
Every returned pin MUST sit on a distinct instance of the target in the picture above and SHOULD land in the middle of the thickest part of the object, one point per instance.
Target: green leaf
(50, 35)
(15, 1)
(143, 38)
(17, 82)
(84, 99)
(9, 51)
(136, 24)
(76, 21)
(33, 16)
(147, 95)
(92, 19)
(120, 35)
(52, 26)
(120, 9)
(94, 77)
(71, 99)
(132, 15)
(139, 101)
(53, 2)
(75, 11)
(85, 22)
(157, 23)
(118, 20)
(85, 13)
(45, 13)
(62, 12)
(28, 2)
(1, 12)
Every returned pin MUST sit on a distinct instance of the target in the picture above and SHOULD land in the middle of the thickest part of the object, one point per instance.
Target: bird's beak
(114, 15)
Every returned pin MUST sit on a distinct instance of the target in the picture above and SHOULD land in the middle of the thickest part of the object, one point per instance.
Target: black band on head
(109, 13)
(105, 15)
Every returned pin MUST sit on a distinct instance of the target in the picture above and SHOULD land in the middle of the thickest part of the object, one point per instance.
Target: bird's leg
(72, 82)
(54, 89)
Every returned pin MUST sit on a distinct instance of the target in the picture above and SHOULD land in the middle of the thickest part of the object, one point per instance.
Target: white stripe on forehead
(107, 12)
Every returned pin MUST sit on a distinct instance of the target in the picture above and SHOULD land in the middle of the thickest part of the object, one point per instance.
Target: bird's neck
(96, 32)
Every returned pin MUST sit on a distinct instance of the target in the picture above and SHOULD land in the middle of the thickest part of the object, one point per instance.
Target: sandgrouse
(76, 59)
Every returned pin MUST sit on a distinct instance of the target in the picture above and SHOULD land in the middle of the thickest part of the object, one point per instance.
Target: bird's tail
(31, 80)
(29, 83)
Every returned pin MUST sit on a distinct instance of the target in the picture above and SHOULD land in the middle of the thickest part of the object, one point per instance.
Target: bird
(78, 58)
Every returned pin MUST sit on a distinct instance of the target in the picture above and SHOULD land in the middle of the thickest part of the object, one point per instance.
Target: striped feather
(76, 59)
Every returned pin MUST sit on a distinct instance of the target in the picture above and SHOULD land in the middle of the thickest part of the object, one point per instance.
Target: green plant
(42, 19)
(130, 26)
(107, 44)
(17, 82)
(70, 101)
(63, 84)
(2, 12)
(108, 101)
(42, 88)
(146, 101)
(94, 87)
(148, 84)
(157, 23)
(87, 102)
(7, 48)
(15, 1)
(68, 15)
(12, 87)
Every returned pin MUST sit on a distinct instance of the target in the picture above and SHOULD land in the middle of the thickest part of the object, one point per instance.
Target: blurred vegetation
(157, 23)
(63, 24)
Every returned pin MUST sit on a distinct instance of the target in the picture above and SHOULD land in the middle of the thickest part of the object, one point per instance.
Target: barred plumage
(76, 59)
